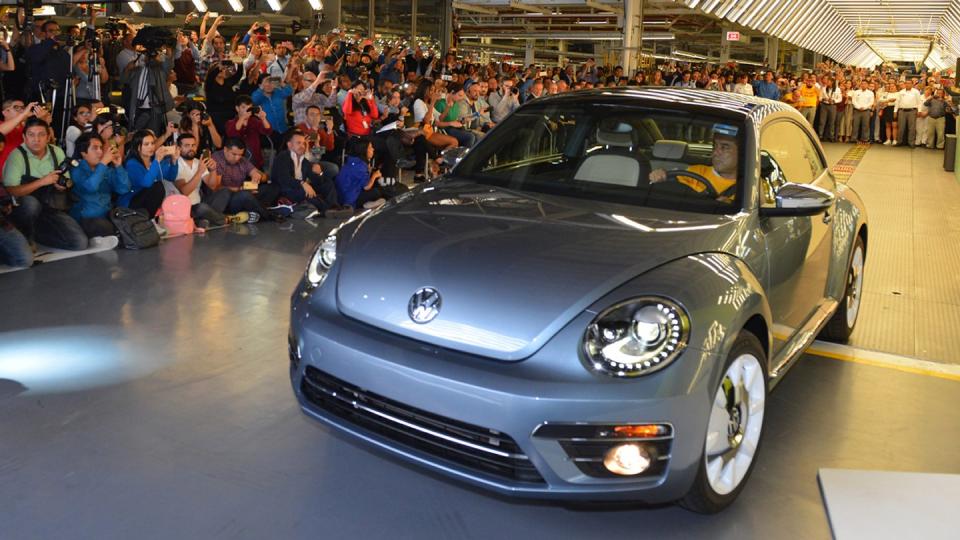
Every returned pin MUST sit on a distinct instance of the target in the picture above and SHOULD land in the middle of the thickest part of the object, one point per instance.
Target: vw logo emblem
(424, 305)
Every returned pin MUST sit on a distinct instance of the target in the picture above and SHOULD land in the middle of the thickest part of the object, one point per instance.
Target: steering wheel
(708, 187)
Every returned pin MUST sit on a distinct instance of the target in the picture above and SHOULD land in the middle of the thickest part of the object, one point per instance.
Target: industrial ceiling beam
(475, 8)
(517, 4)
(604, 7)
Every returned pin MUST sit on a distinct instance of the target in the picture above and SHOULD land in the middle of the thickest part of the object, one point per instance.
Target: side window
(793, 151)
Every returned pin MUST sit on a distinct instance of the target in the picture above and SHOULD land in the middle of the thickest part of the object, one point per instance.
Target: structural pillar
(561, 49)
(724, 46)
(632, 35)
(772, 54)
(446, 27)
(413, 20)
(371, 26)
(528, 56)
(798, 58)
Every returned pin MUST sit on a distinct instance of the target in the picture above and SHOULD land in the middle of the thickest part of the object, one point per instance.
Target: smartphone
(206, 154)
(213, 14)
(447, 77)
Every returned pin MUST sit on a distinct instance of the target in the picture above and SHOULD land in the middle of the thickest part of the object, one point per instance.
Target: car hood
(511, 268)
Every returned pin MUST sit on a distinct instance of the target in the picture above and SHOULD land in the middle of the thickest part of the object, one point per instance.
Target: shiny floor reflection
(197, 435)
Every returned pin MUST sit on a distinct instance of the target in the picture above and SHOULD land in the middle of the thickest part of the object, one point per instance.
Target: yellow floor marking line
(906, 364)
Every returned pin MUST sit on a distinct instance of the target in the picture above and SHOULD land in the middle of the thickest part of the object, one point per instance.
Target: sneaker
(283, 208)
(239, 217)
(374, 204)
(203, 224)
(253, 217)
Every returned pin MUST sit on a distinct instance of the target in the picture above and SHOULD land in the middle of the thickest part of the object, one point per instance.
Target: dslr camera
(67, 165)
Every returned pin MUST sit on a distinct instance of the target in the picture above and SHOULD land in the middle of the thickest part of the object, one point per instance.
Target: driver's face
(725, 156)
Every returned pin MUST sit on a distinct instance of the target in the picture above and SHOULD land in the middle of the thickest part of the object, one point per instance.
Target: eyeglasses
(16, 107)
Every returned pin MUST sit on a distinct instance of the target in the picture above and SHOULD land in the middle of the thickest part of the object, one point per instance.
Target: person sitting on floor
(30, 174)
(96, 178)
(148, 168)
(193, 173)
(303, 182)
(357, 184)
(240, 187)
(14, 248)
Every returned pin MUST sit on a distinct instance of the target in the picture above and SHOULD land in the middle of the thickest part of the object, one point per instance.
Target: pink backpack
(175, 215)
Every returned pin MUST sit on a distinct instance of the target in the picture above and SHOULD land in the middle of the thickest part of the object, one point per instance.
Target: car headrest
(669, 150)
(616, 134)
(609, 169)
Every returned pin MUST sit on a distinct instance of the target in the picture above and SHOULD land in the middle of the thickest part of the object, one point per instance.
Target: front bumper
(440, 388)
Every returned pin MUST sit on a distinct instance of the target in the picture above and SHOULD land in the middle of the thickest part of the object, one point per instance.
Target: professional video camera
(115, 25)
(153, 38)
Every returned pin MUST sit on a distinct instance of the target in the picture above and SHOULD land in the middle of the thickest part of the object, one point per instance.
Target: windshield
(641, 156)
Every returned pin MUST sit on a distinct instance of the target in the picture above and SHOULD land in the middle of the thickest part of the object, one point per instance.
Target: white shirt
(419, 110)
(745, 89)
(908, 99)
(185, 172)
(297, 165)
(829, 96)
(862, 99)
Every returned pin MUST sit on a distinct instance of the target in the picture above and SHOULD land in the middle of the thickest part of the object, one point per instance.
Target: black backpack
(136, 229)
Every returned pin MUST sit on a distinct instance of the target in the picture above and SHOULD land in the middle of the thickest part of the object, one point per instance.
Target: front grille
(474, 447)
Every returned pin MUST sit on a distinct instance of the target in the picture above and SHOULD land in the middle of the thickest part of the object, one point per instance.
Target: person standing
(830, 96)
(808, 97)
(862, 101)
(937, 110)
(908, 100)
(922, 116)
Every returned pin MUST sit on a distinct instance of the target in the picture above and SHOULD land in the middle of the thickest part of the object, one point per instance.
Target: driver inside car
(722, 173)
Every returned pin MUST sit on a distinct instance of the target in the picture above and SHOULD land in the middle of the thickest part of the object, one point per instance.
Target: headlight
(636, 337)
(322, 260)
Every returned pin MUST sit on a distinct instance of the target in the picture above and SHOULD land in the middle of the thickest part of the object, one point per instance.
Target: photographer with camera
(48, 60)
(97, 177)
(509, 100)
(148, 167)
(250, 123)
(35, 174)
(14, 116)
(220, 93)
(272, 98)
(199, 124)
(147, 97)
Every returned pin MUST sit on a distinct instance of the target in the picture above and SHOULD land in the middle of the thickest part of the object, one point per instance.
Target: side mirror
(800, 200)
(452, 156)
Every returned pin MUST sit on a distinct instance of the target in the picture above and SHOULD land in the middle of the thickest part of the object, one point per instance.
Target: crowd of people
(252, 126)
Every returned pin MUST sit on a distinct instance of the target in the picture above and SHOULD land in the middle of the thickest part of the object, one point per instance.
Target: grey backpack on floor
(136, 229)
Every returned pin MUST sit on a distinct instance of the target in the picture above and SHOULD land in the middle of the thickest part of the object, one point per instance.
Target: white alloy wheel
(736, 420)
(854, 285)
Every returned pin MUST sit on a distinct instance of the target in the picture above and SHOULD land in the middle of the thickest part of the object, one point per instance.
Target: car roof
(729, 102)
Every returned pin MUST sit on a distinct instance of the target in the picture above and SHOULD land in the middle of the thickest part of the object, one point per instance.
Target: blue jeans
(14, 248)
(464, 138)
(48, 227)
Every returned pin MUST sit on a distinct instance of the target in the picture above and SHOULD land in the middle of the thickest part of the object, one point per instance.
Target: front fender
(850, 216)
(719, 292)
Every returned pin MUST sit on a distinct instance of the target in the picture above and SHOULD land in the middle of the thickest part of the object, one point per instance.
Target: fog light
(627, 459)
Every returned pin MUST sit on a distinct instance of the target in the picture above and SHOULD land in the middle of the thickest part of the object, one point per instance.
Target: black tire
(839, 327)
(702, 498)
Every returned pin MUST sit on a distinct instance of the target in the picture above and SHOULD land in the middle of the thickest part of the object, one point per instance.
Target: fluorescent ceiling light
(690, 55)
(236, 5)
(591, 22)
(317, 5)
(275, 5)
(166, 5)
(200, 5)
(658, 36)
(135, 7)
(45, 11)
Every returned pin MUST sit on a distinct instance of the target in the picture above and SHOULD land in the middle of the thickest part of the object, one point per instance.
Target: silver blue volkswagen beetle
(593, 304)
